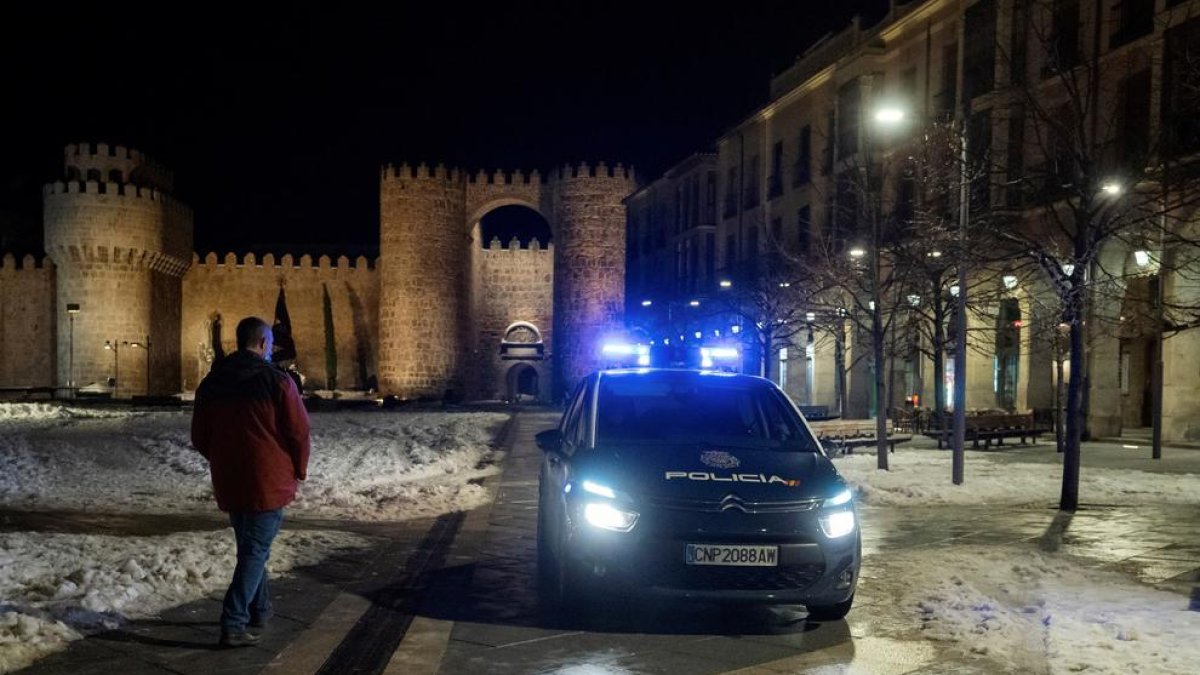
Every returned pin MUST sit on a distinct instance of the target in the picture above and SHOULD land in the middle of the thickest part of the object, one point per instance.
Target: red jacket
(250, 424)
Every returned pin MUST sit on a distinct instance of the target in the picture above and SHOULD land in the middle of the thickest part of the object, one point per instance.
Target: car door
(558, 466)
(553, 474)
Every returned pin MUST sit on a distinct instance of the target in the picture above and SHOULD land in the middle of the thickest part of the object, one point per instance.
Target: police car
(693, 484)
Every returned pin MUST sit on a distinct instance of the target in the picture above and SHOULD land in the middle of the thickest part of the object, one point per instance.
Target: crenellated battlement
(599, 170)
(211, 261)
(503, 177)
(118, 190)
(422, 171)
(514, 245)
(9, 264)
(115, 164)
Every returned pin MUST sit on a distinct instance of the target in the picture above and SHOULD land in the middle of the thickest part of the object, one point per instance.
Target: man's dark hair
(250, 331)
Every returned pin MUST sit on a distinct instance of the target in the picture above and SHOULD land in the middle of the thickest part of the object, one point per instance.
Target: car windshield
(698, 409)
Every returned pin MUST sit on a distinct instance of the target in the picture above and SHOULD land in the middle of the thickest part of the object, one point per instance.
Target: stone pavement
(457, 595)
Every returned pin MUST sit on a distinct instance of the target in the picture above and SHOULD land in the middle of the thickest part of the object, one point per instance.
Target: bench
(842, 436)
(816, 413)
(988, 427)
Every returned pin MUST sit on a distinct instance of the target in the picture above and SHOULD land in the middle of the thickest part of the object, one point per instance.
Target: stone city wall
(234, 289)
(26, 322)
(511, 284)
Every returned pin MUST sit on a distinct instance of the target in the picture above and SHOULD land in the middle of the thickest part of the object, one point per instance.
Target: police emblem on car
(719, 459)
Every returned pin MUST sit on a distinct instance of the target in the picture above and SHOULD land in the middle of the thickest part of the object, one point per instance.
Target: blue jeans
(249, 595)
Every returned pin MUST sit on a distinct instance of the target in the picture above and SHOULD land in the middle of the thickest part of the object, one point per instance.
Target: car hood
(701, 472)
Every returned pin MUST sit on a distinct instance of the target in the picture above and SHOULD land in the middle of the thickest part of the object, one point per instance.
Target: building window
(731, 193)
(1062, 49)
(751, 196)
(710, 257)
(730, 252)
(979, 54)
(946, 100)
(979, 145)
(848, 111)
(777, 232)
(802, 171)
(775, 181)
(1131, 20)
(827, 155)
(1181, 88)
(1134, 120)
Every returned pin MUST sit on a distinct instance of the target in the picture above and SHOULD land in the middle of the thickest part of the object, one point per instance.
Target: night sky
(277, 117)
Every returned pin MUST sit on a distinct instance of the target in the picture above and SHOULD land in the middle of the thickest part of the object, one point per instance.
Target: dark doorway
(523, 384)
(1008, 353)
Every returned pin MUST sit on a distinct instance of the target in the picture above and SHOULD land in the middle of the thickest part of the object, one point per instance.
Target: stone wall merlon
(28, 262)
(101, 150)
(231, 260)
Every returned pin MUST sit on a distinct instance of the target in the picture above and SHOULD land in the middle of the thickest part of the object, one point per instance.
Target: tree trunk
(939, 364)
(1058, 394)
(877, 338)
(839, 359)
(1075, 422)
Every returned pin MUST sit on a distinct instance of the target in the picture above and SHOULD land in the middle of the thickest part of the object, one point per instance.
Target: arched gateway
(435, 287)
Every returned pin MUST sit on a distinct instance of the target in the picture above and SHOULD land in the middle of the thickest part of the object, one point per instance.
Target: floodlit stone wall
(27, 322)
(233, 288)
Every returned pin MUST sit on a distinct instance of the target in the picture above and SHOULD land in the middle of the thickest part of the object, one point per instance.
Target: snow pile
(41, 412)
(917, 476)
(1028, 611)
(55, 588)
(370, 465)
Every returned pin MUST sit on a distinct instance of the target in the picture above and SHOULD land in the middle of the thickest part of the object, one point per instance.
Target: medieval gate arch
(436, 281)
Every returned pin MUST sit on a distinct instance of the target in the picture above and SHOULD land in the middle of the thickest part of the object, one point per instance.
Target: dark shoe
(259, 622)
(242, 639)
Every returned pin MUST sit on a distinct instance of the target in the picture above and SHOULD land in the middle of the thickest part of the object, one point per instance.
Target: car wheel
(830, 612)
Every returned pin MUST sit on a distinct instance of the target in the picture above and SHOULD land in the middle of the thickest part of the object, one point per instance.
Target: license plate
(733, 556)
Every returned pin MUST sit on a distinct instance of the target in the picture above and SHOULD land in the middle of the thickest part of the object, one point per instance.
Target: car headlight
(837, 524)
(840, 498)
(598, 489)
(609, 517)
(840, 522)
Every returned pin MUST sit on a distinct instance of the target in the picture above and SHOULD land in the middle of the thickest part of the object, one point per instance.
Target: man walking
(250, 424)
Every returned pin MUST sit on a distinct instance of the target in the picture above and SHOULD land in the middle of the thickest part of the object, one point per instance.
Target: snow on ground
(367, 465)
(1017, 609)
(55, 588)
(918, 476)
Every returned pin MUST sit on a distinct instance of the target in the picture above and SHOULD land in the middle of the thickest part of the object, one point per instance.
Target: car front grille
(732, 503)
(712, 578)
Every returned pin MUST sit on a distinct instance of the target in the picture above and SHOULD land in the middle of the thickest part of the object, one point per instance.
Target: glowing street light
(857, 252)
(694, 303)
(1010, 282)
(1142, 258)
(647, 303)
(889, 116)
(1112, 188)
(725, 283)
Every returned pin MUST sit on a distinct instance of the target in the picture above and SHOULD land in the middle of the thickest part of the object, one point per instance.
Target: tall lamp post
(72, 310)
(115, 347)
(146, 346)
(893, 116)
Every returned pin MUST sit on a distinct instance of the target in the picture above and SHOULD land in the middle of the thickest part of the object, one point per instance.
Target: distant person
(250, 424)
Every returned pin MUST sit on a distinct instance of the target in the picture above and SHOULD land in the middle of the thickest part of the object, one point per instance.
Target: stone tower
(422, 290)
(426, 218)
(121, 245)
(589, 266)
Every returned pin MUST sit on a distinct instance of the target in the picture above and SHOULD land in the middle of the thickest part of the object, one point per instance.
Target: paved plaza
(457, 594)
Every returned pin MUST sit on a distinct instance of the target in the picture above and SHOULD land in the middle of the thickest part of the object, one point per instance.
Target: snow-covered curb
(55, 588)
(922, 477)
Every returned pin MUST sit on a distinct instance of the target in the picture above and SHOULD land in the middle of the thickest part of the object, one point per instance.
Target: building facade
(791, 181)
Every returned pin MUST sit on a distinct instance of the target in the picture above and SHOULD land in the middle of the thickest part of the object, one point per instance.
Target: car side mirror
(549, 440)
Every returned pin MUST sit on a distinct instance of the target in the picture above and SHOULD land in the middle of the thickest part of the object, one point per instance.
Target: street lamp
(72, 310)
(115, 347)
(146, 346)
